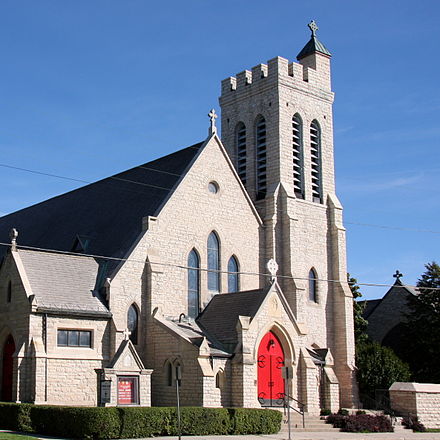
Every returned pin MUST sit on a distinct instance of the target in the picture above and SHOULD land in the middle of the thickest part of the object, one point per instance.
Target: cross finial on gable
(127, 334)
(272, 267)
(212, 117)
(313, 27)
(13, 234)
(398, 275)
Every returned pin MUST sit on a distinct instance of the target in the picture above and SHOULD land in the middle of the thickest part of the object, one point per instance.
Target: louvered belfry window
(240, 141)
(298, 159)
(315, 146)
(261, 157)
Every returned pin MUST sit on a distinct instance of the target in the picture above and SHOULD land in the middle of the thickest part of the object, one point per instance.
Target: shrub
(343, 412)
(360, 423)
(325, 412)
(360, 411)
(255, 421)
(136, 422)
(83, 422)
(378, 368)
(412, 422)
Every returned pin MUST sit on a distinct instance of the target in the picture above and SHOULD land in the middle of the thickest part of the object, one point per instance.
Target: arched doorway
(8, 351)
(270, 361)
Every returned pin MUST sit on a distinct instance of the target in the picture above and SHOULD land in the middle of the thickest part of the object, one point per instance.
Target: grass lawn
(432, 429)
(12, 436)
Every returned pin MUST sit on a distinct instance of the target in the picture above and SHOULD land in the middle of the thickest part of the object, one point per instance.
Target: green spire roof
(314, 45)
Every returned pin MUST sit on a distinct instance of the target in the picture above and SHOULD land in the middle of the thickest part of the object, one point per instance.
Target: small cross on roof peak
(398, 275)
(212, 117)
(313, 27)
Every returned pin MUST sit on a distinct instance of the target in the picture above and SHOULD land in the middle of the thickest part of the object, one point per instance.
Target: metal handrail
(300, 404)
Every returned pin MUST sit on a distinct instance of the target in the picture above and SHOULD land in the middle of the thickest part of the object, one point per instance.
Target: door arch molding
(282, 334)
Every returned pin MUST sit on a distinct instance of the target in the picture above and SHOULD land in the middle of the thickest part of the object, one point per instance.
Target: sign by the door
(127, 391)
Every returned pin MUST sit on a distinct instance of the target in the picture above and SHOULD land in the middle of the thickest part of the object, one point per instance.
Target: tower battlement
(312, 72)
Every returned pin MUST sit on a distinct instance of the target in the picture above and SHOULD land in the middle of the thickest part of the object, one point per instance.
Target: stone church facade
(111, 292)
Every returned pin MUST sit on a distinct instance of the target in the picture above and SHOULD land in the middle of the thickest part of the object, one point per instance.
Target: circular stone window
(213, 187)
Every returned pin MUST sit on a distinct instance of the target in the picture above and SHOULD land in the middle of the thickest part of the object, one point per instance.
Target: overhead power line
(181, 266)
(120, 179)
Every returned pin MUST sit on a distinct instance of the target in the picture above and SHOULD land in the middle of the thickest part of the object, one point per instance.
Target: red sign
(126, 391)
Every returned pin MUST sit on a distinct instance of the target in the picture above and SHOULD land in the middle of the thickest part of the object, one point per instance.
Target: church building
(217, 265)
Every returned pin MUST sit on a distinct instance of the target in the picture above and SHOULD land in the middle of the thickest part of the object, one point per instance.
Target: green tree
(422, 331)
(378, 368)
(360, 323)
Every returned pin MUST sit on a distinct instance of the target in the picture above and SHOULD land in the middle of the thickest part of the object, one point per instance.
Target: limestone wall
(417, 399)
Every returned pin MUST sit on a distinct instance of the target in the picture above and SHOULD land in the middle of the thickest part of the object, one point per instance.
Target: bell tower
(277, 126)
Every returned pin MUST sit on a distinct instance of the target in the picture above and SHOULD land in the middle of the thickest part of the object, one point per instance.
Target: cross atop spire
(313, 27)
(314, 45)
(212, 117)
(398, 275)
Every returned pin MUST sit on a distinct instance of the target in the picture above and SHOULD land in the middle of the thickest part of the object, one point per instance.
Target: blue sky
(90, 88)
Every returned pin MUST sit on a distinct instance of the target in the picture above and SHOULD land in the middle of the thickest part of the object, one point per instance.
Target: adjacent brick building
(108, 293)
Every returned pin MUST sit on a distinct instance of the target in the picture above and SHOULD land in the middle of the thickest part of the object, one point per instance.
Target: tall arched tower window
(298, 156)
(193, 284)
(213, 263)
(315, 146)
(260, 143)
(240, 148)
(133, 323)
(233, 285)
(313, 291)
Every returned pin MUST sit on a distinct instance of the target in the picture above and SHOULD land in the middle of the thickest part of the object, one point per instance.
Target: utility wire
(181, 266)
(371, 225)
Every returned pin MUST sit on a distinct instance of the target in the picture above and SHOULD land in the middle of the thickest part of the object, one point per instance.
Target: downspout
(45, 348)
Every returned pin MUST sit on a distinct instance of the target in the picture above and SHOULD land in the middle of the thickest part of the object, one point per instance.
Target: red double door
(8, 351)
(270, 362)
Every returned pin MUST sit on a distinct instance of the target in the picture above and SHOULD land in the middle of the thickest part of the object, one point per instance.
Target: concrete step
(312, 424)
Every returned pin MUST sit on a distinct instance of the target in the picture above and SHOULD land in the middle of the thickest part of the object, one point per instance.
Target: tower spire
(313, 45)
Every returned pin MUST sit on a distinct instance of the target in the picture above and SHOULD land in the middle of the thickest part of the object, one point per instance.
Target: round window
(213, 187)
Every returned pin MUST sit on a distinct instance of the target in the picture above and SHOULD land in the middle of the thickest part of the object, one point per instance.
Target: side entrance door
(270, 362)
(8, 351)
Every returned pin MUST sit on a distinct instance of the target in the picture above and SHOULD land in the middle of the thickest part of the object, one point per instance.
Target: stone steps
(312, 424)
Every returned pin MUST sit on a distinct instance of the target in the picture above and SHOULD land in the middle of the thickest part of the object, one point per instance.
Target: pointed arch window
(315, 150)
(213, 263)
(313, 290)
(260, 142)
(233, 281)
(193, 284)
(298, 156)
(133, 323)
(240, 145)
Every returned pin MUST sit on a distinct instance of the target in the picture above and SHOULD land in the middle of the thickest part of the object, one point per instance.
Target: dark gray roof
(105, 215)
(371, 304)
(63, 283)
(220, 317)
(313, 46)
(398, 288)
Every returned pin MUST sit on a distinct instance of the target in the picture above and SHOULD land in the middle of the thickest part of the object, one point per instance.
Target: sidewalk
(317, 436)
(400, 435)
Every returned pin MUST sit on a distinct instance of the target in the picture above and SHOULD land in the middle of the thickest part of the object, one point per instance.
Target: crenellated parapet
(312, 73)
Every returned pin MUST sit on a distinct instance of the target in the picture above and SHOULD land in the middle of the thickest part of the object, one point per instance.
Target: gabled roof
(105, 216)
(220, 317)
(398, 288)
(63, 283)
